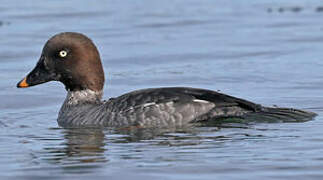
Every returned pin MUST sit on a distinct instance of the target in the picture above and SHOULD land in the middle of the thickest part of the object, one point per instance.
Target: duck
(74, 60)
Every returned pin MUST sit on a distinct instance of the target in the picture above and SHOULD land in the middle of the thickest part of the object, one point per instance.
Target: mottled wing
(177, 106)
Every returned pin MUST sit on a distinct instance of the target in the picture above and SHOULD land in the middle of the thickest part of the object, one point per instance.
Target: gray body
(158, 107)
(163, 107)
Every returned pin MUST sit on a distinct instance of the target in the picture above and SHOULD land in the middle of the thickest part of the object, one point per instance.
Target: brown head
(71, 58)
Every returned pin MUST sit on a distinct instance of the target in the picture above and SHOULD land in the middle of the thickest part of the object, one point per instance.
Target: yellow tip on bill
(23, 83)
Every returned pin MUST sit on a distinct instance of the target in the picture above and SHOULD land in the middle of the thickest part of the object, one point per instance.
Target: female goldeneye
(73, 59)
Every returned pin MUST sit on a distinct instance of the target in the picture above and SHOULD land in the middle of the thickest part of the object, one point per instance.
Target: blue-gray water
(269, 52)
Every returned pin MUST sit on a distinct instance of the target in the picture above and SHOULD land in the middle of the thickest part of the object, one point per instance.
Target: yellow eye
(62, 53)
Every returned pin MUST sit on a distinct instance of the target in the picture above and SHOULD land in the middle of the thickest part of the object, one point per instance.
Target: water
(266, 51)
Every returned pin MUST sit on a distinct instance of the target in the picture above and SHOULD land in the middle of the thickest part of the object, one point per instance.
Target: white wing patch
(200, 101)
(148, 104)
(165, 103)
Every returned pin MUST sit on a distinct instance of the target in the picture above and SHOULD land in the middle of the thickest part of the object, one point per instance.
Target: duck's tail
(272, 114)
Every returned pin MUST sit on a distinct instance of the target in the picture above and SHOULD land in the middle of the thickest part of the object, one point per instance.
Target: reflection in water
(83, 148)
(89, 148)
(138, 134)
(88, 151)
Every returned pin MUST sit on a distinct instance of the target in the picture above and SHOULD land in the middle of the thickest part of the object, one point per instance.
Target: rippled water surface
(269, 52)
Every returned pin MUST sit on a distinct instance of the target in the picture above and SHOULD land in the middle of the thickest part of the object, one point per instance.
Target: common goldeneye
(73, 59)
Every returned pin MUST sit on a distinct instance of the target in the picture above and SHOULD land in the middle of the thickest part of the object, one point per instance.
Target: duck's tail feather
(272, 114)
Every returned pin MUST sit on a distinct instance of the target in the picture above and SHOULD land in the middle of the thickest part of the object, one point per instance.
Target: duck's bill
(33, 79)
(23, 83)
(37, 76)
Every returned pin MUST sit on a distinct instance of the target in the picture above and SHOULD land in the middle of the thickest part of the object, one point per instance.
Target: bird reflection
(87, 145)
(82, 145)
(81, 148)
